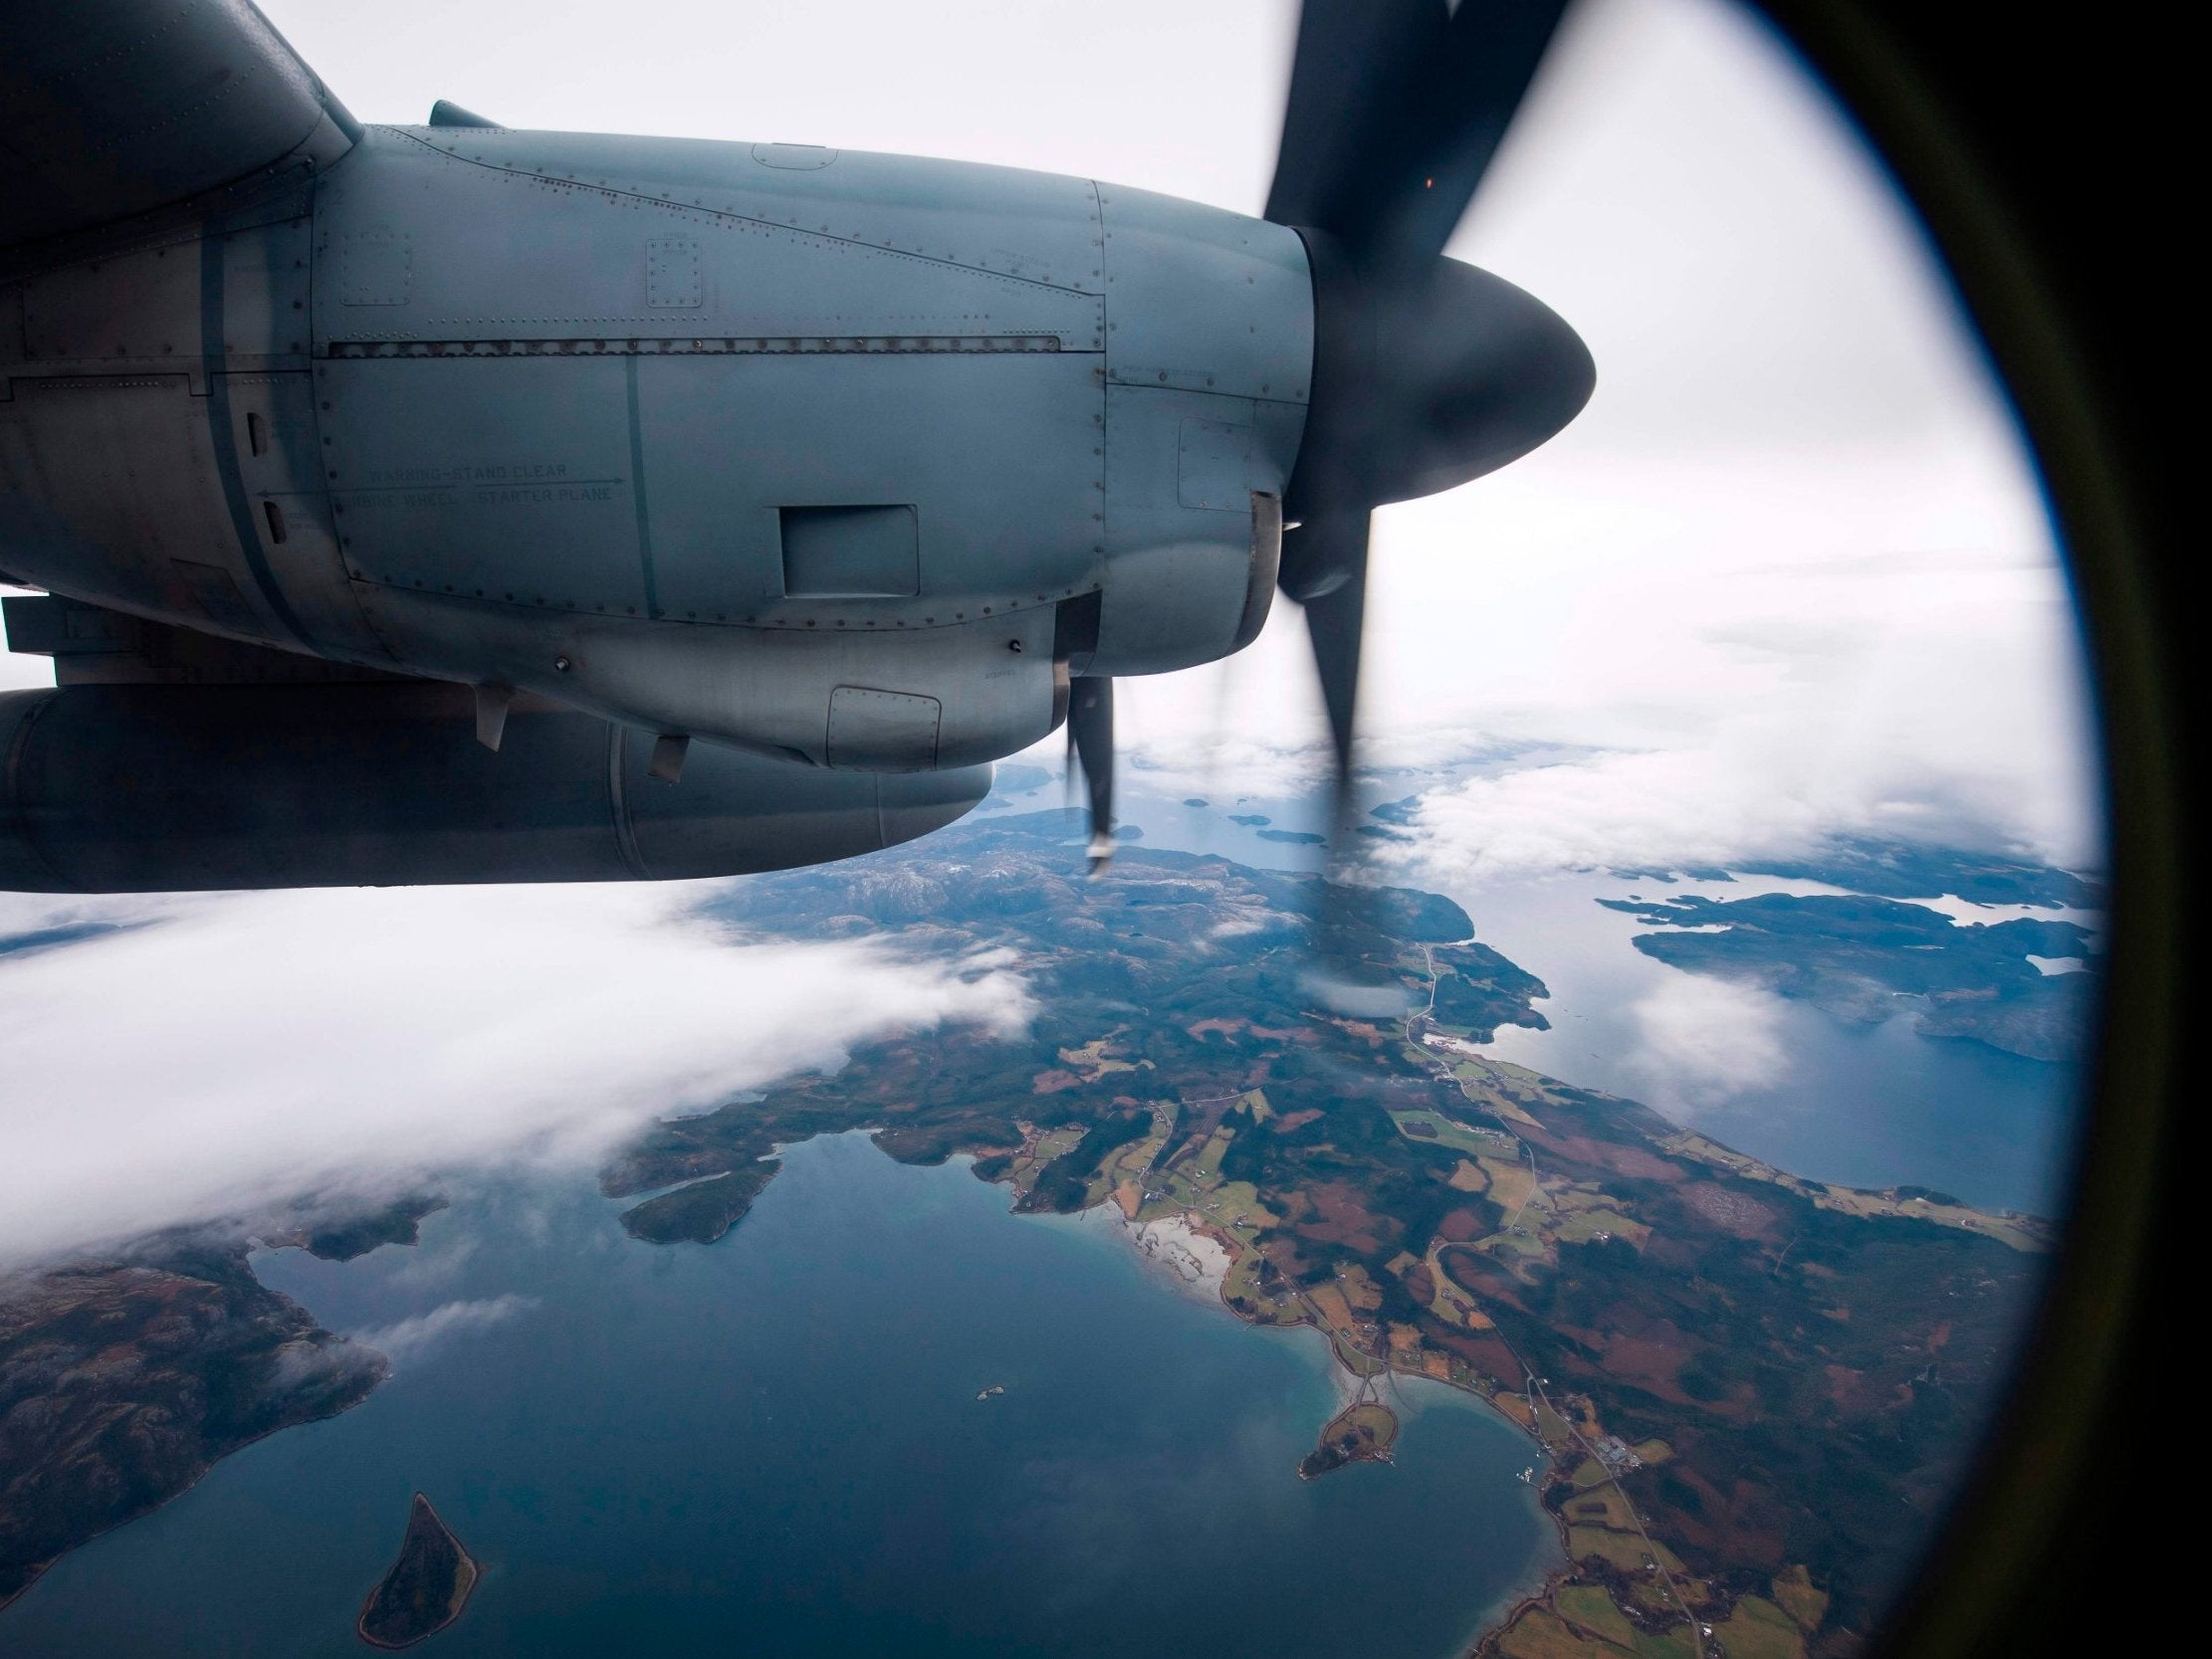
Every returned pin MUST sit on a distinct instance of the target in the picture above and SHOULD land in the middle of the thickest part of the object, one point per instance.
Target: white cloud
(247, 1047)
(410, 1339)
(1700, 1042)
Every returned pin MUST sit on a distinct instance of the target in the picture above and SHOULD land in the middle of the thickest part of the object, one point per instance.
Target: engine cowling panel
(724, 440)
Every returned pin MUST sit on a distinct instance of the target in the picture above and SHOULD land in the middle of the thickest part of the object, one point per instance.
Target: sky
(1788, 575)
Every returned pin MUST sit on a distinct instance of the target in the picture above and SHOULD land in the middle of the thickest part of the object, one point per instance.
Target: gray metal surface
(537, 408)
(155, 788)
(115, 109)
(798, 452)
(853, 460)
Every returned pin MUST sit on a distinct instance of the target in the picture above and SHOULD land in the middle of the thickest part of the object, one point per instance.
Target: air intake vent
(852, 552)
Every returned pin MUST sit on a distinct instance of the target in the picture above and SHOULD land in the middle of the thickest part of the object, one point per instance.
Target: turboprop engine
(853, 462)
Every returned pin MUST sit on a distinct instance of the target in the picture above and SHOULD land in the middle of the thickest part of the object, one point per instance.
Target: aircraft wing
(120, 109)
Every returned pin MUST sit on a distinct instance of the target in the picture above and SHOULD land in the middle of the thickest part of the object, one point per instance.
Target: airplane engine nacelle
(167, 787)
(845, 456)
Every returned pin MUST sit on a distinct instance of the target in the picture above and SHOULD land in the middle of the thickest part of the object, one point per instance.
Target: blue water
(773, 1446)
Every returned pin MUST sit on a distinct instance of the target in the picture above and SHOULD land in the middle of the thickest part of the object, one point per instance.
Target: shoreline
(38, 1573)
(1190, 1233)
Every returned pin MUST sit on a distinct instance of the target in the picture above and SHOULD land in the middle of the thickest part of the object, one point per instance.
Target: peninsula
(1756, 1391)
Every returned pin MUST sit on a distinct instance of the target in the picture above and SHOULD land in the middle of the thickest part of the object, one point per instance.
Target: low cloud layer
(1702, 1042)
(408, 1340)
(243, 1048)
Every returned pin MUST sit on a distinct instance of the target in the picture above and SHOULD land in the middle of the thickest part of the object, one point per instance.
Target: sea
(773, 1446)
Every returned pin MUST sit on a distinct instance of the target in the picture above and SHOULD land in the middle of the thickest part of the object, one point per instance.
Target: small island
(991, 1392)
(427, 1585)
(1363, 1432)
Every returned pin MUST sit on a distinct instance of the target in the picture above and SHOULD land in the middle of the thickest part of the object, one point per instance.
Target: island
(1363, 1432)
(1919, 870)
(1865, 960)
(427, 1585)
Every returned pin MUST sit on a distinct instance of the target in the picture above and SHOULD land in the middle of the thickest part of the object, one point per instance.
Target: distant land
(1865, 960)
(1917, 870)
(1757, 1391)
(1018, 780)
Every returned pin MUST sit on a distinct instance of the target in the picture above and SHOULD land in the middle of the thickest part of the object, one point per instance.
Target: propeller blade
(1352, 59)
(1395, 110)
(1334, 552)
(1090, 736)
(1427, 372)
(1344, 977)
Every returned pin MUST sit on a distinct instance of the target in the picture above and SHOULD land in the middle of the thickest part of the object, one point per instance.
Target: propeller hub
(1426, 375)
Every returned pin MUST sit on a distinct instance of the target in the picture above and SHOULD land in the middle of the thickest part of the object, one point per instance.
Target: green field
(1539, 1634)
(1758, 1629)
(1626, 1550)
(1446, 1133)
(1589, 1608)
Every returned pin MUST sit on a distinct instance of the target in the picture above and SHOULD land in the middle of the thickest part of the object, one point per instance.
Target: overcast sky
(1788, 574)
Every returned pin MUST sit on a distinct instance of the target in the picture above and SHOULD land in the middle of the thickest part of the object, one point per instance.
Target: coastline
(1197, 1258)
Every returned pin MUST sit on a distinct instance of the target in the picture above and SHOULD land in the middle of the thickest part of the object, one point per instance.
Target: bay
(773, 1445)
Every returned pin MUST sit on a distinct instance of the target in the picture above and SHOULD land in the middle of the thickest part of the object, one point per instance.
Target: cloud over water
(226, 1051)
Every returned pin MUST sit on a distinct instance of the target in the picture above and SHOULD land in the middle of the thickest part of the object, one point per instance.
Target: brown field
(1516, 1407)
(1342, 1217)
(1632, 1162)
(1461, 1225)
(1732, 1212)
(1328, 1301)
(1651, 1359)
